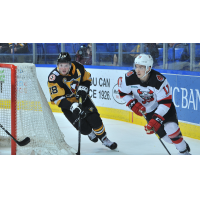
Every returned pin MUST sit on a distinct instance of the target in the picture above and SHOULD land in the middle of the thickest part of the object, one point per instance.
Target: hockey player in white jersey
(148, 91)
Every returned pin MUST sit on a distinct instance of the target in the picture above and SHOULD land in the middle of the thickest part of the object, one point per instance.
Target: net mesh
(34, 116)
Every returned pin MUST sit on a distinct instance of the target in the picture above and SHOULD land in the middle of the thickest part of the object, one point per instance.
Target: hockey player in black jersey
(69, 81)
(148, 91)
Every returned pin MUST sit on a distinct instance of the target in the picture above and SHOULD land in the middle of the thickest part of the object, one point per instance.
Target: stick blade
(24, 142)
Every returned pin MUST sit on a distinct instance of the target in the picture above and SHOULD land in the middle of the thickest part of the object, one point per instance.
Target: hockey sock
(167, 139)
(178, 141)
(100, 131)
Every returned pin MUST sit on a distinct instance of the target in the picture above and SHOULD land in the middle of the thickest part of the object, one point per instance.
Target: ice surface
(131, 140)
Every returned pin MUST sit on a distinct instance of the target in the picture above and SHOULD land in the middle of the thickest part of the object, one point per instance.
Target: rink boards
(104, 93)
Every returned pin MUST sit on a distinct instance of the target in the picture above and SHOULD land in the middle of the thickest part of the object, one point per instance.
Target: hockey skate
(186, 152)
(92, 136)
(105, 141)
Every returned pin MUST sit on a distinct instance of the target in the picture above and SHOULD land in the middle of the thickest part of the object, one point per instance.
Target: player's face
(64, 68)
(140, 70)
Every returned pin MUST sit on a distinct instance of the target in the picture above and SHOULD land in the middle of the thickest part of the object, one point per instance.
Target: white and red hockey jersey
(154, 94)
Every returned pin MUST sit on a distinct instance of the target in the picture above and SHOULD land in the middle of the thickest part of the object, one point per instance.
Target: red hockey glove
(136, 107)
(148, 131)
(155, 122)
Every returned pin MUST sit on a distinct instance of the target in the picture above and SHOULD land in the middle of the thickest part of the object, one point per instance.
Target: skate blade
(117, 150)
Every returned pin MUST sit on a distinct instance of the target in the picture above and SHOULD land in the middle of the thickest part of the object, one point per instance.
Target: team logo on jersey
(160, 78)
(129, 73)
(74, 86)
(146, 96)
(52, 77)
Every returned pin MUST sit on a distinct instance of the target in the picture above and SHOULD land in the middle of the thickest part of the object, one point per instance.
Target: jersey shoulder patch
(160, 78)
(129, 73)
(52, 76)
(156, 79)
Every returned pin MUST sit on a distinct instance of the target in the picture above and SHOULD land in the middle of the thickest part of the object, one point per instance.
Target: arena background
(122, 177)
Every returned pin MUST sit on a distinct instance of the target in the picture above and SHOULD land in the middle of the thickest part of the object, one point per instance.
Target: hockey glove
(148, 131)
(155, 123)
(82, 92)
(136, 107)
(76, 110)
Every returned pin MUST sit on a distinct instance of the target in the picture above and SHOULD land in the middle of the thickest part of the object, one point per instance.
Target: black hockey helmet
(64, 57)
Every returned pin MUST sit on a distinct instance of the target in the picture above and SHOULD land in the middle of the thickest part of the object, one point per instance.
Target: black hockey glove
(76, 110)
(82, 92)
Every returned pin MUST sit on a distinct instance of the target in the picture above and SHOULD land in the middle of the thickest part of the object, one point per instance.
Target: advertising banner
(186, 96)
(104, 91)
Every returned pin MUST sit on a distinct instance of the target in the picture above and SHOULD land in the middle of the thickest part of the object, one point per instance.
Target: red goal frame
(13, 69)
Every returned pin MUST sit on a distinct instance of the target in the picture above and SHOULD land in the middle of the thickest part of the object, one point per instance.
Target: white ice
(131, 140)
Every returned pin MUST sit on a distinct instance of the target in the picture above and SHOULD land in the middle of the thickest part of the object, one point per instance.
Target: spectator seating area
(106, 51)
(179, 55)
(176, 54)
(47, 53)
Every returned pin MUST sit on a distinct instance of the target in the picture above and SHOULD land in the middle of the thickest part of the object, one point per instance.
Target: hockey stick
(157, 136)
(79, 129)
(22, 143)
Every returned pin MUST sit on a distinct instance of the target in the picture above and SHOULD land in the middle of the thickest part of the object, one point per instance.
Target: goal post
(25, 112)
(13, 99)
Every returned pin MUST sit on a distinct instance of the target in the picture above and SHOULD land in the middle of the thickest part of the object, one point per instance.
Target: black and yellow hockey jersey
(62, 88)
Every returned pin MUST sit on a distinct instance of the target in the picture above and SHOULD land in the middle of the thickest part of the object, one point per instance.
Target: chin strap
(146, 73)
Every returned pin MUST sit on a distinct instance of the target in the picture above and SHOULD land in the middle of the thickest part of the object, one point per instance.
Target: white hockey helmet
(144, 59)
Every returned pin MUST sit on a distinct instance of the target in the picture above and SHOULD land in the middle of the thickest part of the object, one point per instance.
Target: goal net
(25, 112)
